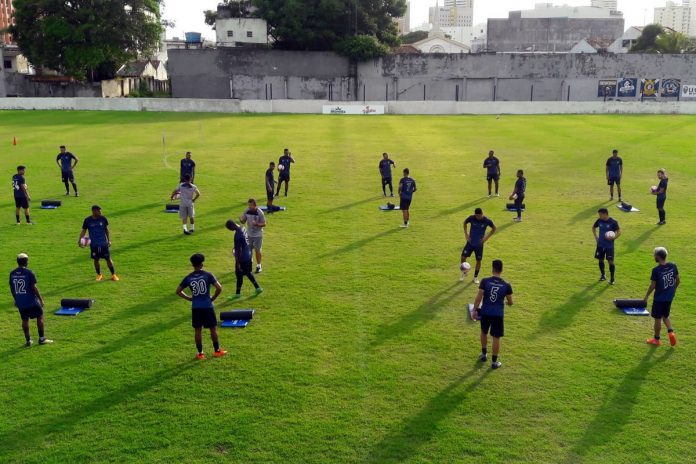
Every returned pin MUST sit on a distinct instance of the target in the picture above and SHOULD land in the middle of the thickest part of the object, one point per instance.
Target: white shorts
(186, 211)
(256, 243)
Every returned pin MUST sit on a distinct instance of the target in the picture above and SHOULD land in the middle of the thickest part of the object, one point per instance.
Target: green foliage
(413, 37)
(76, 37)
(675, 42)
(361, 47)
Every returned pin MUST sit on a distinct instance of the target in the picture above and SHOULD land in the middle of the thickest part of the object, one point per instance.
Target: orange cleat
(653, 341)
(672, 339)
(99, 278)
(115, 278)
(220, 353)
(200, 356)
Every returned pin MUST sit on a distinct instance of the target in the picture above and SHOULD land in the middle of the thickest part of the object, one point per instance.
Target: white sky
(188, 14)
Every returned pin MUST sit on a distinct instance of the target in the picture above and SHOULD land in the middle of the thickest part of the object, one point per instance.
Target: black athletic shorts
(21, 203)
(269, 195)
(476, 250)
(601, 253)
(491, 177)
(283, 176)
(405, 204)
(203, 318)
(100, 252)
(31, 313)
(661, 309)
(493, 323)
(244, 268)
(386, 180)
(68, 176)
(614, 180)
(661, 202)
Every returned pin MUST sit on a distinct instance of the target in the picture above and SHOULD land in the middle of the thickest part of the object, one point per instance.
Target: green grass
(360, 350)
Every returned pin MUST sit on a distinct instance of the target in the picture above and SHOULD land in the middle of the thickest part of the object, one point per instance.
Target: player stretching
(242, 258)
(27, 299)
(202, 308)
(284, 175)
(188, 166)
(188, 194)
(65, 161)
(492, 165)
(407, 186)
(605, 243)
(518, 194)
(664, 280)
(661, 194)
(475, 238)
(614, 171)
(492, 295)
(255, 220)
(385, 170)
(21, 194)
(98, 227)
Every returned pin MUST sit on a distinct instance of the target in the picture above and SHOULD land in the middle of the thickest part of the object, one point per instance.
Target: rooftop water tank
(193, 37)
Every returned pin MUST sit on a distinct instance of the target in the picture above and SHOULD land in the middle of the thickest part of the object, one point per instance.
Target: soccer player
(492, 166)
(284, 175)
(270, 186)
(605, 245)
(255, 220)
(21, 194)
(67, 162)
(661, 194)
(518, 194)
(475, 238)
(202, 308)
(493, 293)
(27, 299)
(242, 258)
(664, 281)
(98, 228)
(407, 186)
(614, 171)
(188, 166)
(385, 165)
(188, 194)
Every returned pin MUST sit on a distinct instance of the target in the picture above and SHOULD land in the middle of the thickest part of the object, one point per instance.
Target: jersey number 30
(199, 287)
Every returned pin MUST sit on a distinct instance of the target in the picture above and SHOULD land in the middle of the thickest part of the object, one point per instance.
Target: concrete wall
(22, 85)
(3, 90)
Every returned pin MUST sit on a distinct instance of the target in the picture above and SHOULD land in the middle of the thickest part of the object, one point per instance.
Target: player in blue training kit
(614, 171)
(202, 308)
(605, 246)
(385, 166)
(242, 258)
(65, 161)
(21, 194)
(661, 194)
(475, 238)
(664, 280)
(100, 241)
(187, 166)
(284, 176)
(492, 166)
(518, 194)
(407, 187)
(27, 299)
(489, 305)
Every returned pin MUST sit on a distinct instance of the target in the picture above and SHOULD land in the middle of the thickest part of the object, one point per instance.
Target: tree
(413, 37)
(79, 37)
(647, 39)
(656, 39)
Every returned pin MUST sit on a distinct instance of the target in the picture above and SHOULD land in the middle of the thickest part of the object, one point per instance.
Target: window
(7, 64)
(230, 33)
(250, 34)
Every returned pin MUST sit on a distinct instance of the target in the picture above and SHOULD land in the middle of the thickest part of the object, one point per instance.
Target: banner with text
(628, 87)
(688, 91)
(353, 109)
(606, 88)
(670, 88)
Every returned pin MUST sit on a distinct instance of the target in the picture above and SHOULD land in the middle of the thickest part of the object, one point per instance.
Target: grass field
(361, 350)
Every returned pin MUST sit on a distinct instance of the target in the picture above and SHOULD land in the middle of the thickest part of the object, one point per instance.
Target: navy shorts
(614, 180)
(21, 203)
(405, 204)
(283, 176)
(100, 252)
(491, 177)
(386, 180)
(31, 313)
(602, 253)
(494, 324)
(661, 309)
(661, 202)
(476, 250)
(269, 195)
(68, 176)
(203, 318)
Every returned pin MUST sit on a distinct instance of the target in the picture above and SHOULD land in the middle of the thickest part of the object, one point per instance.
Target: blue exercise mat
(635, 311)
(69, 311)
(48, 207)
(171, 210)
(234, 324)
(279, 208)
(386, 208)
(627, 208)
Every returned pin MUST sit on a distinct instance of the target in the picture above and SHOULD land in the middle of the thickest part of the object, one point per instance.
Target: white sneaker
(404, 225)
(258, 268)
(497, 194)
(476, 281)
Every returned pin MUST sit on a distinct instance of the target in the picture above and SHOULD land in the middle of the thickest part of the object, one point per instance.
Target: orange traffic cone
(14, 140)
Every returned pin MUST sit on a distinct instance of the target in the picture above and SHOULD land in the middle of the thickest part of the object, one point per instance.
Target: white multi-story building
(549, 10)
(404, 22)
(455, 19)
(608, 4)
(681, 18)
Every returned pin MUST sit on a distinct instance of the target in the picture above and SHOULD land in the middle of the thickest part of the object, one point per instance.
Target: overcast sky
(188, 14)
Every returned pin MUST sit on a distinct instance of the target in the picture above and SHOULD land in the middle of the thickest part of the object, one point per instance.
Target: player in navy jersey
(489, 306)
(518, 194)
(661, 194)
(475, 238)
(242, 258)
(284, 176)
(270, 185)
(67, 162)
(98, 228)
(664, 280)
(27, 299)
(385, 166)
(187, 166)
(407, 187)
(614, 172)
(605, 246)
(492, 166)
(202, 308)
(21, 194)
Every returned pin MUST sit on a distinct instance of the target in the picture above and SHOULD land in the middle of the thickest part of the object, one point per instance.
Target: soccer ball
(281, 167)
(84, 241)
(513, 196)
(610, 235)
(653, 189)
(465, 267)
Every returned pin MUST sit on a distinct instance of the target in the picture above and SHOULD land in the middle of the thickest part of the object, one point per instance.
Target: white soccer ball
(610, 235)
(653, 189)
(281, 167)
(465, 267)
(84, 241)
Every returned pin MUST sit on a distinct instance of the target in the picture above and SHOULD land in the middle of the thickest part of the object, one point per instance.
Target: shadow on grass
(62, 290)
(422, 314)
(360, 243)
(235, 209)
(136, 209)
(562, 316)
(616, 409)
(418, 430)
(354, 204)
(586, 214)
(634, 244)
(461, 208)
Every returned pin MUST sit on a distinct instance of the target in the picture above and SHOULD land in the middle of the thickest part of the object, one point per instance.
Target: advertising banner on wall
(606, 88)
(649, 87)
(670, 88)
(628, 87)
(688, 91)
(353, 109)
